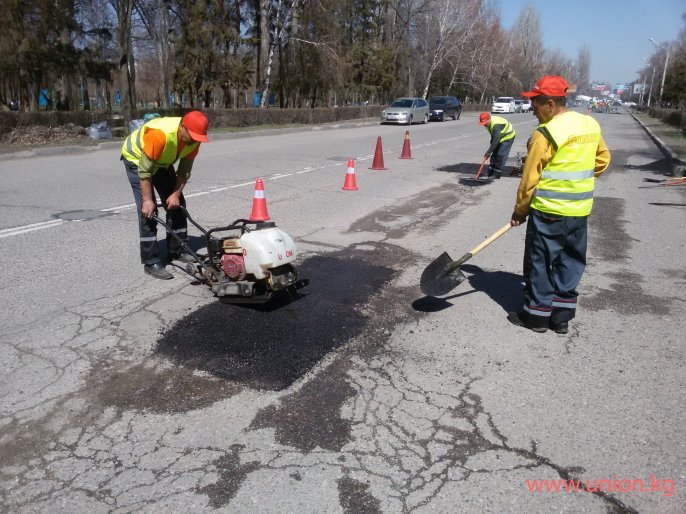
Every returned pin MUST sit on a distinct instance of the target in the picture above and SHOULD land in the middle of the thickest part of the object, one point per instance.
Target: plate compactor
(246, 261)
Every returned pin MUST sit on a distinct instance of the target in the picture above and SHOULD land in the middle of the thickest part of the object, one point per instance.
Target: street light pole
(664, 71)
(652, 78)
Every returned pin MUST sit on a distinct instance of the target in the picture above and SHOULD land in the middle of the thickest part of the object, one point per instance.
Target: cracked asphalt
(120, 393)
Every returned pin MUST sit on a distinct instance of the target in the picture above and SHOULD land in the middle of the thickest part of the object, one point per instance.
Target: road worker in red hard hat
(502, 136)
(149, 154)
(565, 155)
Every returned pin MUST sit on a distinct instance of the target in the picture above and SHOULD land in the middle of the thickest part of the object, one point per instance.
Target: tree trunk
(127, 71)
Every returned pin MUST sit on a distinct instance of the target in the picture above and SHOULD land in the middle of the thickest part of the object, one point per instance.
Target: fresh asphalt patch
(265, 348)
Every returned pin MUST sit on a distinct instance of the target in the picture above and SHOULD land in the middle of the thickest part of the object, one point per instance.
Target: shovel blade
(436, 281)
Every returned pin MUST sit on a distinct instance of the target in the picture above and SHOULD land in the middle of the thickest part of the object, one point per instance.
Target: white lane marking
(118, 208)
(15, 231)
(8, 232)
(241, 185)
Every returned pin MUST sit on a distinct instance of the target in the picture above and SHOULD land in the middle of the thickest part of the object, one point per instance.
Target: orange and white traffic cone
(406, 153)
(350, 182)
(378, 157)
(259, 203)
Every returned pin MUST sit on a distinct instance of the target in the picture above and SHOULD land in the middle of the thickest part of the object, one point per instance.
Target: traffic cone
(406, 153)
(378, 157)
(259, 204)
(350, 182)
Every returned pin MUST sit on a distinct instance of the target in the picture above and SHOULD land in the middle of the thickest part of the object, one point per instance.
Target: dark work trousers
(499, 158)
(164, 182)
(555, 250)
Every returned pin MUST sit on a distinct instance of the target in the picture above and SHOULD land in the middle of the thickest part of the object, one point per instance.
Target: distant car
(442, 107)
(526, 105)
(629, 104)
(518, 106)
(406, 110)
(503, 104)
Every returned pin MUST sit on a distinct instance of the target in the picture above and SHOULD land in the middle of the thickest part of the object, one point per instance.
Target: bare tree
(528, 45)
(157, 20)
(280, 16)
(583, 69)
(453, 22)
(124, 10)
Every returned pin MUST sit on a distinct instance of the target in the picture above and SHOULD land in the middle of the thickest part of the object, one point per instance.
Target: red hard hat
(484, 117)
(196, 123)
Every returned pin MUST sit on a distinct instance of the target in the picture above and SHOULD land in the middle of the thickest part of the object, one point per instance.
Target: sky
(616, 32)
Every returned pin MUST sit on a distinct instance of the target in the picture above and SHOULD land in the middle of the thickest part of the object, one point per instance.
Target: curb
(678, 166)
(219, 136)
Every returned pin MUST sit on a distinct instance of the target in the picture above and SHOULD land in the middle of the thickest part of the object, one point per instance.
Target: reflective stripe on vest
(132, 148)
(567, 182)
(507, 133)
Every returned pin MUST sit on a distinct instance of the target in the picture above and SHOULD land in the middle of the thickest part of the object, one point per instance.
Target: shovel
(444, 274)
(481, 167)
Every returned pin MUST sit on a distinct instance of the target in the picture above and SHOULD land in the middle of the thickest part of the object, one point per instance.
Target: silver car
(406, 110)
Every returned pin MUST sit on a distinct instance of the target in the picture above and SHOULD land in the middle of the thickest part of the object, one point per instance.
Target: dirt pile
(39, 135)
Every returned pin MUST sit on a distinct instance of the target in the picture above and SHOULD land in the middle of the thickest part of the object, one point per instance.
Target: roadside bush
(219, 118)
(673, 117)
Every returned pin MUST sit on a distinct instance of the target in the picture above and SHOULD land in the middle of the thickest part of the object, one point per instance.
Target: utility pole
(664, 71)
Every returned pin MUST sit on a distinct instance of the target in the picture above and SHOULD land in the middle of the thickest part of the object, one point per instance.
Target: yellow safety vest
(133, 146)
(507, 133)
(566, 185)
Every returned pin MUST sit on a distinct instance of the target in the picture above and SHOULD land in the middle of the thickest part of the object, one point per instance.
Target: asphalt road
(122, 393)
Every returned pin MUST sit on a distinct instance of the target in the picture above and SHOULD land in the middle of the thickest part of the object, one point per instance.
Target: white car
(526, 105)
(504, 104)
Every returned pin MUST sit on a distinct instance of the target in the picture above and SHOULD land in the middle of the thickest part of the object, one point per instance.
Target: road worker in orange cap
(565, 155)
(149, 154)
(502, 136)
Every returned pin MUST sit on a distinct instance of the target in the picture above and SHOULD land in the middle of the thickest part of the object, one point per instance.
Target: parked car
(406, 110)
(503, 104)
(518, 106)
(526, 105)
(442, 107)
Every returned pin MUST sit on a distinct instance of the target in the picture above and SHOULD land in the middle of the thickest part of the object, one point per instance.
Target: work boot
(515, 319)
(560, 328)
(498, 174)
(157, 270)
(184, 257)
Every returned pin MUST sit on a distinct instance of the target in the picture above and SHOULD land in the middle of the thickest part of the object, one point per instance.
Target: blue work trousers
(499, 158)
(556, 254)
(164, 182)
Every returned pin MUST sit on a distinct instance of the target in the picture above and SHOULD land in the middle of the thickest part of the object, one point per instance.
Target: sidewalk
(669, 140)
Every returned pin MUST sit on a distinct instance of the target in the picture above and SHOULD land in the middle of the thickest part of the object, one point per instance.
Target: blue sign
(43, 98)
(256, 99)
(117, 97)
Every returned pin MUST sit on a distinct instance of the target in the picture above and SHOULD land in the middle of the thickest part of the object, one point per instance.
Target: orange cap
(550, 85)
(484, 118)
(196, 123)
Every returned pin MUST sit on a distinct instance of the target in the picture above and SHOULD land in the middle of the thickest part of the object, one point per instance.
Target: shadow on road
(505, 289)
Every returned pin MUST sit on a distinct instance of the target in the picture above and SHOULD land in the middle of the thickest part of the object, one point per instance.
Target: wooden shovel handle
(459, 262)
(488, 241)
